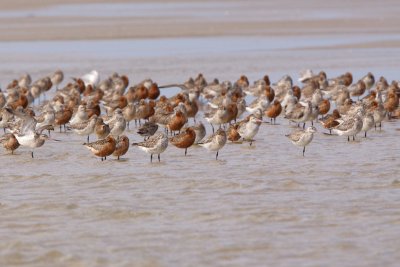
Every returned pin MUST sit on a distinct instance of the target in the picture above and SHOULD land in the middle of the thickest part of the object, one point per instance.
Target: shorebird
(86, 127)
(93, 108)
(153, 91)
(324, 107)
(102, 148)
(330, 121)
(345, 79)
(300, 113)
(308, 90)
(350, 125)
(368, 123)
(217, 116)
(147, 129)
(261, 103)
(156, 144)
(117, 125)
(369, 80)
(302, 137)
(32, 140)
(129, 113)
(5, 119)
(27, 134)
(47, 117)
(144, 110)
(233, 133)
(122, 146)
(101, 129)
(289, 100)
(200, 131)
(313, 115)
(80, 116)
(92, 78)
(243, 81)
(269, 93)
(249, 129)
(3, 100)
(357, 89)
(347, 105)
(305, 75)
(63, 116)
(282, 86)
(25, 80)
(215, 142)
(391, 103)
(379, 111)
(241, 106)
(191, 109)
(57, 78)
(176, 121)
(184, 139)
(255, 90)
(117, 102)
(273, 111)
(9, 142)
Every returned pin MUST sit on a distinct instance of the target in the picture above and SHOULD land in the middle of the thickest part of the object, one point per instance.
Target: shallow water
(259, 205)
(213, 10)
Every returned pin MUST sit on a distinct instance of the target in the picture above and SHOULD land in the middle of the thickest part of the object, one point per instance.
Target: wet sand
(335, 207)
(77, 20)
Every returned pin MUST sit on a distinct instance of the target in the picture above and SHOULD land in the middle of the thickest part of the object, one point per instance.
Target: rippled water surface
(259, 205)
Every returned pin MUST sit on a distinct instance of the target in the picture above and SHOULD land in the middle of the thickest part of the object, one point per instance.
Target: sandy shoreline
(222, 18)
(28, 4)
(30, 29)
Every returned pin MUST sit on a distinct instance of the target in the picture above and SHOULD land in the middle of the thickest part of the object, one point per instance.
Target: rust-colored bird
(184, 139)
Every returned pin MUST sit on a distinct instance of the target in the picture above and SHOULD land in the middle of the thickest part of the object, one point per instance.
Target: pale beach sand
(91, 19)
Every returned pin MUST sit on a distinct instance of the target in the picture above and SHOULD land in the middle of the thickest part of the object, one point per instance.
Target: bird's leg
(216, 156)
(185, 151)
(159, 159)
(151, 157)
(304, 150)
(32, 154)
